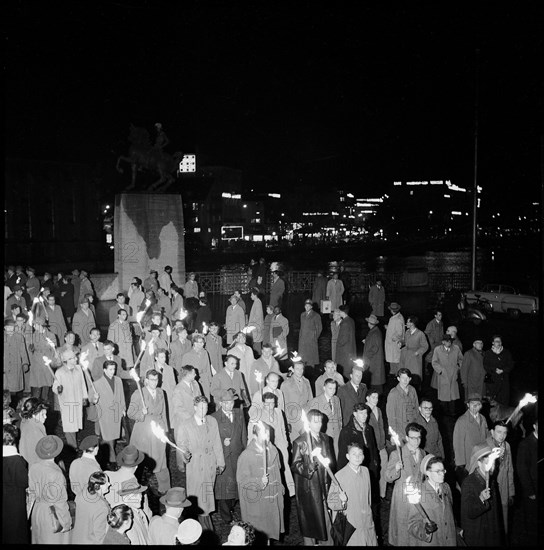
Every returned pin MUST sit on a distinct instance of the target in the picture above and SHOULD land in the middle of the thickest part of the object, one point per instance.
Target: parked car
(503, 299)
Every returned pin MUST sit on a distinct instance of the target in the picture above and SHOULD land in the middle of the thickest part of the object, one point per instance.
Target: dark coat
(499, 387)
(348, 398)
(311, 485)
(481, 522)
(14, 482)
(346, 350)
(66, 298)
(310, 329)
(373, 356)
(527, 468)
(225, 484)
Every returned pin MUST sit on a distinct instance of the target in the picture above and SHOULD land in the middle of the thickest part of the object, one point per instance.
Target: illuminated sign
(187, 164)
(232, 232)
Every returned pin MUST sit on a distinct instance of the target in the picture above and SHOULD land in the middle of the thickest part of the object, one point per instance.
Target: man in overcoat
(184, 396)
(312, 482)
(310, 329)
(411, 354)
(346, 349)
(472, 370)
(15, 360)
(402, 403)
(394, 335)
(376, 298)
(232, 431)
(262, 366)
(351, 393)
(373, 354)
(446, 363)
(297, 392)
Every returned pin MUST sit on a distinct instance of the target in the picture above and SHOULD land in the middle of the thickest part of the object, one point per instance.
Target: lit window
(197, 229)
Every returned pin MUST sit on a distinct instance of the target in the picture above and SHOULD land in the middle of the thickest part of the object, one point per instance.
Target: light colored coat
(110, 407)
(48, 483)
(91, 519)
(446, 366)
(260, 366)
(334, 416)
(183, 402)
(56, 322)
(400, 507)
(31, 432)
(279, 322)
(235, 321)
(358, 510)
(80, 472)
(204, 443)
(121, 334)
(414, 343)
(82, 323)
(335, 289)
(296, 396)
(142, 436)
(310, 329)
(71, 398)
(177, 351)
(256, 320)
(93, 353)
(401, 408)
(466, 434)
(201, 362)
(394, 333)
(473, 372)
(246, 357)
(214, 347)
(40, 375)
(320, 382)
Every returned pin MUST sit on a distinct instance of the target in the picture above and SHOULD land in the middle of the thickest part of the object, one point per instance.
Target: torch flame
(264, 433)
(279, 348)
(50, 342)
(182, 314)
(30, 317)
(46, 360)
(495, 453)
(204, 328)
(305, 422)
(35, 301)
(317, 453)
(394, 436)
(142, 345)
(296, 357)
(258, 376)
(248, 329)
(527, 398)
(83, 360)
(134, 375)
(139, 316)
(168, 331)
(412, 491)
(359, 362)
(158, 432)
(151, 348)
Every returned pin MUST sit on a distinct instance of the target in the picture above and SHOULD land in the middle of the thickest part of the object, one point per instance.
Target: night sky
(323, 94)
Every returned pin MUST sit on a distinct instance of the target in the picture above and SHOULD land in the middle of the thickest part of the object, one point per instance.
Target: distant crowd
(253, 421)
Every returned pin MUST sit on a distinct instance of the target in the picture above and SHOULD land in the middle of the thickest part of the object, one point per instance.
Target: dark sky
(318, 93)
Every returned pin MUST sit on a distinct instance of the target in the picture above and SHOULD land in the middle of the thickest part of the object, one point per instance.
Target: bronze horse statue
(143, 156)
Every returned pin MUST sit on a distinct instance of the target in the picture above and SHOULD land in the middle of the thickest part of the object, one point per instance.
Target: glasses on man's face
(438, 471)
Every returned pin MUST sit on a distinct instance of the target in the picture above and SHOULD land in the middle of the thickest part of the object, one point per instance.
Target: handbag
(326, 306)
(55, 523)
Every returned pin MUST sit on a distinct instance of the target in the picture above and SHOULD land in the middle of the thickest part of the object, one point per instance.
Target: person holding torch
(480, 500)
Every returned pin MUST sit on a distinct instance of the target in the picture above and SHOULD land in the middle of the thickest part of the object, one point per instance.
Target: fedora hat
(372, 319)
(228, 395)
(176, 497)
(131, 486)
(49, 446)
(130, 456)
(478, 452)
(473, 397)
(189, 531)
(308, 301)
(393, 306)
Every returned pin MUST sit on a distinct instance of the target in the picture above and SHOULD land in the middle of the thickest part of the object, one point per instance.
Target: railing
(226, 282)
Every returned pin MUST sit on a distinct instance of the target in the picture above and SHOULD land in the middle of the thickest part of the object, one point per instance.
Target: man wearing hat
(480, 501)
(41, 378)
(376, 298)
(131, 495)
(235, 319)
(278, 286)
(128, 461)
(394, 336)
(472, 369)
(437, 502)
(233, 434)
(335, 290)
(47, 483)
(15, 361)
(352, 393)
(470, 430)
(446, 363)
(152, 283)
(164, 529)
(16, 298)
(373, 354)
(310, 329)
(32, 284)
(82, 468)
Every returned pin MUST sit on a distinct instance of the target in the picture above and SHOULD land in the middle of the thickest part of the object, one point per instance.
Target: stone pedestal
(148, 234)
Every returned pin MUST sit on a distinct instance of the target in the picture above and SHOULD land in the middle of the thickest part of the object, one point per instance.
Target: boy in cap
(164, 529)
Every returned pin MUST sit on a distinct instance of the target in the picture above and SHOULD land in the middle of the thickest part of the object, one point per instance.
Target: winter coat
(222, 381)
(121, 334)
(235, 321)
(499, 387)
(204, 444)
(319, 290)
(32, 431)
(346, 349)
(435, 332)
(473, 372)
(276, 292)
(358, 510)
(335, 289)
(214, 347)
(48, 483)
(279, 329)
(15, 361)
(504, 471)
(82, 323)
(312, 484)
(432, 442)
(414, 343)
(226, 486)
(332, 411)
(56, 322)
(91, 522)
(310, 329)
(262, 508)
(527, 465)
(71, 398)
(142, 436)
(297, 395)
(376, 298)
(446, 365)
(349, 398)
(394, 333)
(401, 408)
(178, 350)
(81, 470)
(440, 511)
(260, 366)
(256, 320)
(468, 433)
(481, 521)
(400, 507)
(320, 383)
(201, 362)
(14, 483)
(373, 356)
(110, 407)
(40, 375)
(183, 402)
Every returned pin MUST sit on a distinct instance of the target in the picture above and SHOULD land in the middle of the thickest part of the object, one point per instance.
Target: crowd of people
(252, 422)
